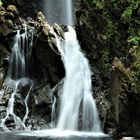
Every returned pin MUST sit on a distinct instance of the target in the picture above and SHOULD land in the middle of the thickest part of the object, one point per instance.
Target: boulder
(12, 8)
(25, 85)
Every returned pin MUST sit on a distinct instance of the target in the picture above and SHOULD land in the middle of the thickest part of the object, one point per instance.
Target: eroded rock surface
(45, 70)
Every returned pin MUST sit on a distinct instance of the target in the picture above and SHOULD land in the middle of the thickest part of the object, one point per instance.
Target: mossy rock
(9, 23)
(1, 3)
(11, 8)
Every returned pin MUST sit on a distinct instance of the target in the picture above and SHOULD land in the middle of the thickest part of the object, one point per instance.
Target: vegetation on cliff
(109, 32)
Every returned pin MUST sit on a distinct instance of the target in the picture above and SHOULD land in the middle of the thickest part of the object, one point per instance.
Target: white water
(10, 110)
(17, 73)
(76, 94)
(56, 133)
(26, 105)
(20, 55)
(59, 11)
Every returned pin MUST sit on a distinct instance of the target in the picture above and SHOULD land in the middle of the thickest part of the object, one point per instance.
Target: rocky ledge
(46, 69)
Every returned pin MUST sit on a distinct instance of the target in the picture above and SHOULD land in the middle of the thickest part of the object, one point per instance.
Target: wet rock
(6, 20)
(2, 76)
(24, 87)
(45, 35)
(10, 120)
(9, 16)
(2, 107)
(12, 9)
(42, 25)
(59, 31)
(117, 64)
(37, 123)
(41, 18)
(40, 114)
(6, 96)
(43, 95)
(30, 22)
(2, 8)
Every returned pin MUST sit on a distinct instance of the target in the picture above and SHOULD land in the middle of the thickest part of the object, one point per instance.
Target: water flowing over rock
(108, 33)
(76, 91)
(27, 88)
(20, 56)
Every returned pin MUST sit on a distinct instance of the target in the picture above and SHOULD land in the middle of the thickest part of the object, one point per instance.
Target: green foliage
(135, 68)
(99, 3)
(9, 23)
(105, 60)
(133, 21)
(116, 25)
(128, 11)
(134, 40)
(1, 3)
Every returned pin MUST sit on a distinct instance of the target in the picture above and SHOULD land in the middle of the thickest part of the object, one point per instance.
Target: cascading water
(76, 89)
(18, 73)
(60, 13)
(20, 55)
(77, 106)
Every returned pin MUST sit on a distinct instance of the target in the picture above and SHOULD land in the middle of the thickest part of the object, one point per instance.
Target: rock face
(105, 31)
(26, 8)
(45, 70)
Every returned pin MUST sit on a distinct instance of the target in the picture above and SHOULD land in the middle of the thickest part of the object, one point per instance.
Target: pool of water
(53, 135)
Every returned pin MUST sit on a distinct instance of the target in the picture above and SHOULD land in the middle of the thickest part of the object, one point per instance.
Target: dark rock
(9, 15)
(12, 34)
(30, 21)
(41, 19)
(26, 8)
(13, 9)
(24, 86)
(43, 95)
(57, 28)
(9, 120)
(2, 76)
(2, 8)
(20, 2)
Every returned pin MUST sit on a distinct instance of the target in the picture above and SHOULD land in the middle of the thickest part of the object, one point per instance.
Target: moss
(2, 13)
(1, 3)
(99, 3)
(129, 10)
(9, 23)
(135, 68)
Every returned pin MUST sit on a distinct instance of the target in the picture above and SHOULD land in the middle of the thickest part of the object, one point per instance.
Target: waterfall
(20, 54)
(77, 106)
(60, 13)
(77, 110)
(76, 96)
(18, 74)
